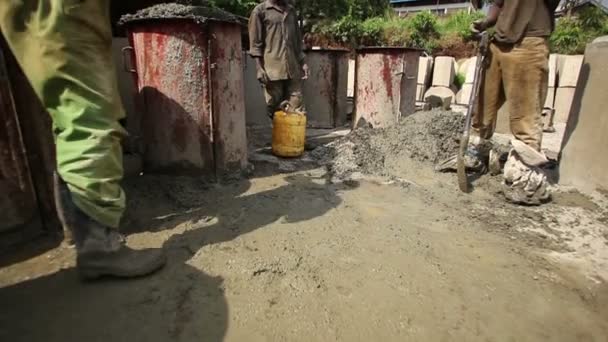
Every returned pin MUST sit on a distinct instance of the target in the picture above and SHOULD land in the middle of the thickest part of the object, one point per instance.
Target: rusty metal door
(18, 203)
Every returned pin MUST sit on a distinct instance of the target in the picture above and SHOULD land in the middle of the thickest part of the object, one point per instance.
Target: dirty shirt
(524, 18)
(275, 36)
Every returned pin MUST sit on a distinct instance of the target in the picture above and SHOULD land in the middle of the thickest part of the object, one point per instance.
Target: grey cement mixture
(428, 137)
(198, 11)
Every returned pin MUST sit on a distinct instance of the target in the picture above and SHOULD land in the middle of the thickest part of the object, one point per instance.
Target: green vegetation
(354, 23)
(573, 33)
(459, 80)
(422, 30)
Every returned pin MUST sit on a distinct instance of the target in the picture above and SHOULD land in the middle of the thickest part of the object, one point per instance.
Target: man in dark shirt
(276, 44)
(518, 67)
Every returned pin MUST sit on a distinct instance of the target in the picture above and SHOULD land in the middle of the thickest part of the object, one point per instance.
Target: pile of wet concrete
(428, 137)
(198, 10)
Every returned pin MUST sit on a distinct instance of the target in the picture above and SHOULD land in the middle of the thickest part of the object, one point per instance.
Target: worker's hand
(263, 76)
(305, 71)
(479, 26)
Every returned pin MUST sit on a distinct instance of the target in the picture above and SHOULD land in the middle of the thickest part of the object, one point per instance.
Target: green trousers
(64, 48)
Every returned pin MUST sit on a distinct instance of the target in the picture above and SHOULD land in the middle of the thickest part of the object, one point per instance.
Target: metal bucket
(325, 91)
(189, 78)
(385, 86)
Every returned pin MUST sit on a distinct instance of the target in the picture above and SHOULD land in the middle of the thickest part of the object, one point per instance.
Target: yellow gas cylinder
(288, 133)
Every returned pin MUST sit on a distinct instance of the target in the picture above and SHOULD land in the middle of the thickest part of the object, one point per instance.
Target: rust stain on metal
(387, 75)
(386, 85)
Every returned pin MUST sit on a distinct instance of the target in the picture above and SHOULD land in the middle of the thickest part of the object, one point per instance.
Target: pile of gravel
(428, 137)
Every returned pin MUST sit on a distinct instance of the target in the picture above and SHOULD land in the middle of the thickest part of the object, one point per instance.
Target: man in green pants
(64, 48)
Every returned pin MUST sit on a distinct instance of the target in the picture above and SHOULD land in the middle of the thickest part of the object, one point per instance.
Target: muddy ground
(293, 255)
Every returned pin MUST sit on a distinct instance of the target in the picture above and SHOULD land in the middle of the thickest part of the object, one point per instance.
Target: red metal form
(385, 85)
(191, 95)
(325, 91)
(18, 200)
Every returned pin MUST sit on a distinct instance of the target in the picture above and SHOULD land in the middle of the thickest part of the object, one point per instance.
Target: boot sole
(88, 274)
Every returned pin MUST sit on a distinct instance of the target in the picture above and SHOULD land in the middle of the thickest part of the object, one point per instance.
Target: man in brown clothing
(518, 66)
(276, 44)
(516, 73)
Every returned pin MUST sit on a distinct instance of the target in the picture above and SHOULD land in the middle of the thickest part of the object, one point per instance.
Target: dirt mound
(427, 137)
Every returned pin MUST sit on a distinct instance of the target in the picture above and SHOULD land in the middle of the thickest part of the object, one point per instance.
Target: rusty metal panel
(255, 104)
(385, 85)
(172, 72)
(228, 99)
(325, 91)
(18, 201)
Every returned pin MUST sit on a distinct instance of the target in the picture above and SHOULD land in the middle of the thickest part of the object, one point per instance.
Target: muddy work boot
(475, 159)
(101, 251)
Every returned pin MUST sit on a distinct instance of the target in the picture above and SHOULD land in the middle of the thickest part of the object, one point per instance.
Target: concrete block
(550, 101)
(439, 97)
(425, 69)
(569, 70)
(444, 71)
(469, 72)
(563, 103)
(351, 78)
(552, 70)
(464, 95)
(583, 160)
(460, 63)
(420, 90)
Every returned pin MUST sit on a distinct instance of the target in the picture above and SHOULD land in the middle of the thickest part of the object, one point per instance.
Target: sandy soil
(290, 256)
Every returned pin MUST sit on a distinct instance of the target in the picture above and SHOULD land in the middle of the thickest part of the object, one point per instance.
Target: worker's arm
(257, 44)
(491, 18)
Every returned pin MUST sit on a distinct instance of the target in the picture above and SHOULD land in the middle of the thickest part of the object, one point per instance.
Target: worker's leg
(64, 47)
(295, 94)
(525, 73)
(491, 95)
(274, 95)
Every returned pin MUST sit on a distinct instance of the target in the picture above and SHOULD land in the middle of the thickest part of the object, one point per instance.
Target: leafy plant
(459, 80)
(372, 31)
(424, 29)
(460, 24)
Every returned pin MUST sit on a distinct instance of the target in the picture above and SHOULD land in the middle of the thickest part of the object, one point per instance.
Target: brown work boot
(101, 251)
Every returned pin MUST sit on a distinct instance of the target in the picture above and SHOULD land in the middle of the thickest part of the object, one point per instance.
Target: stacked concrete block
(440, 97)
(468, 69)
(351, 78)
(444, 71)
(568, 69)
(549, 103)
(425, 70)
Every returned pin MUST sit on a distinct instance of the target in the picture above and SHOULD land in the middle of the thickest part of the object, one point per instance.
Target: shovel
(463, 180)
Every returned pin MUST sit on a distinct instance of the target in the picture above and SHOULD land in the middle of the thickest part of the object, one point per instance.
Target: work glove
(479, 26)
(263, 76)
